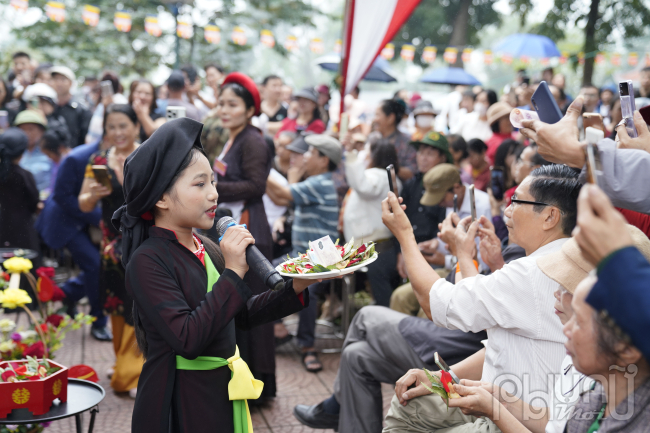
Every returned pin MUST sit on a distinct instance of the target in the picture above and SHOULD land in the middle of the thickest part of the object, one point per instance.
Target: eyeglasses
(534, 203)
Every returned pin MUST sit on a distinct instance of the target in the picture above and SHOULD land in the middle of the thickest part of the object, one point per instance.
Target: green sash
(242, 386)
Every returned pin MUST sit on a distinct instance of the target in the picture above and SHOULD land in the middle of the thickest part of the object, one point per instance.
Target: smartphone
(102, 176)
(544, 103)
(34, 102)
(175, 112)
(443, 366)
(645, 113)
(107, 88)
(593, 120)
(456, 204)
(497, 183)
(593, 136)
(626, 89)
(4, 120)
(471, 202)
(392, 179)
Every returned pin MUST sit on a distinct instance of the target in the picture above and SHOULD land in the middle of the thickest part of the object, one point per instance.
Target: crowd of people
(533, 293)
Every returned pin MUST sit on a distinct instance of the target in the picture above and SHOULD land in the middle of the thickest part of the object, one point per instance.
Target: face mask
(480, 108)
(424, 121)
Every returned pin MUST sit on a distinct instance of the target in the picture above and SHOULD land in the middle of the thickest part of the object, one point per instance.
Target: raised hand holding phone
(626, 89)
(642, 141)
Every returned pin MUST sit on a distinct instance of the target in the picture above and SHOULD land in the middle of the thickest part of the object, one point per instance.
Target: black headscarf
(12, 145)
(148, 172)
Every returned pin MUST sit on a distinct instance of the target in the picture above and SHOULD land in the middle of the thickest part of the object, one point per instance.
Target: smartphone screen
(34, 102)
(456, 203)
(471, 202)
(392, 180)
(107, 88)
(102, 176)
(497, 183)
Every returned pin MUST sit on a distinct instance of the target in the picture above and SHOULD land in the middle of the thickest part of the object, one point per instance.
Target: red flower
(112, 302)
(5, 275)
(45, 288)
(21, 370)
(7, 374)
(362, 249)
(446, 379)
(58, 294)
(45, 272)
(44, 328)
(54, 319)
(99, 160)
(37, 377)
(36, 350)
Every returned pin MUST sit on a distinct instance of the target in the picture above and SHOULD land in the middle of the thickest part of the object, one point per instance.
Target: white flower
(7, 325)
(7, 346)
(28, 334)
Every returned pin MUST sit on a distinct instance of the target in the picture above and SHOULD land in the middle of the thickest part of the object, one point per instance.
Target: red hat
(84, 372)
(247, 83)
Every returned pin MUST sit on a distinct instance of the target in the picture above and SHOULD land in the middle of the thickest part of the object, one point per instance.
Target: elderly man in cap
(34, 124)
(316, 215)
(76, 114)
(424, 115)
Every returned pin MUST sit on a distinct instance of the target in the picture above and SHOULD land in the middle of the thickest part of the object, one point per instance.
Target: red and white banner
(369, 26)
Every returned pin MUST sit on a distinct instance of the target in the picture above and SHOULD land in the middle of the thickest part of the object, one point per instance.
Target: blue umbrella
(525, 44)
(453, 76)
(379, 71)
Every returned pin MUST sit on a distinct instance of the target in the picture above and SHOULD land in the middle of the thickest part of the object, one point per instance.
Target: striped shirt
(515, 305)
(317, 211)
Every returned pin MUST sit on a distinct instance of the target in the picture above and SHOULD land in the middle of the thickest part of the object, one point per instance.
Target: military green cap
(437, 182)
(30, 116)
(437, 141)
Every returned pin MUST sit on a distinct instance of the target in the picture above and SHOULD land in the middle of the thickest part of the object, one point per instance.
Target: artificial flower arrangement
(350, 256)
(32, 384)
(46, 335)
(443, 385)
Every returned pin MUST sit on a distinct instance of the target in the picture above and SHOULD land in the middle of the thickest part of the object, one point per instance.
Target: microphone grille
(222, 224)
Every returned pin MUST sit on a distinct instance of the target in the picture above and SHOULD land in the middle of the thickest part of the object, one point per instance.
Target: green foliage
(627, 18)
(89, 50)
(432, 21)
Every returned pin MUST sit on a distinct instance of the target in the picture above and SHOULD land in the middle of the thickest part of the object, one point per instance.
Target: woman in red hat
(242, 169)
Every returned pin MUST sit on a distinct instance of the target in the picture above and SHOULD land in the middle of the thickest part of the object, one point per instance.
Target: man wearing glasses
(525, 340)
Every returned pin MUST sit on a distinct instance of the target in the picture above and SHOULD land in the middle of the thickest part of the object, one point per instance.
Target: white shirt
(515, 306)
(482, 201)
(569, 384)
(471, 126)
(362, 214)
(273, 211)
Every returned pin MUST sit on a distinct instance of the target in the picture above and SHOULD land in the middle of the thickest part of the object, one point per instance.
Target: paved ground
(295, 386)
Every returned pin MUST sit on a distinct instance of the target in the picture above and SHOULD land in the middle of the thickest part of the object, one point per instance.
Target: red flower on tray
(36, 350)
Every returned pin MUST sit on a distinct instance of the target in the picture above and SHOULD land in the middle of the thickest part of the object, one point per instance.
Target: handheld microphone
(255, 259)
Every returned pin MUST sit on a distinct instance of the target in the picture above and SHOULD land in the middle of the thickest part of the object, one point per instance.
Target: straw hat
(497, 111)
(568, 266)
